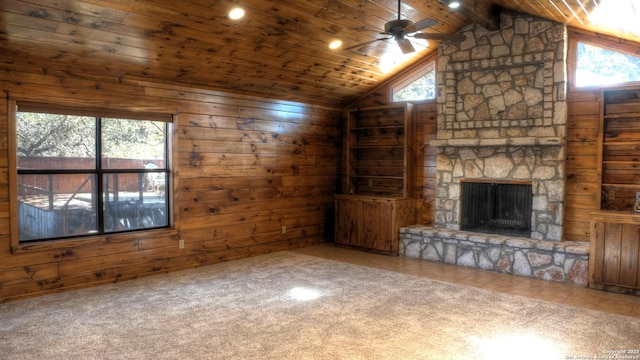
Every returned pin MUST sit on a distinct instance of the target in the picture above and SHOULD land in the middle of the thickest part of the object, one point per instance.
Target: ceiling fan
(402, 29)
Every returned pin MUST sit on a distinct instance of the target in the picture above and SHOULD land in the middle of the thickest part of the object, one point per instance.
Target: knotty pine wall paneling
(245, 167)
(425, 181)
(583, 111)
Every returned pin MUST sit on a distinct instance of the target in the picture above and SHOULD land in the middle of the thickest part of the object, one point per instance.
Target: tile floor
(539, 289)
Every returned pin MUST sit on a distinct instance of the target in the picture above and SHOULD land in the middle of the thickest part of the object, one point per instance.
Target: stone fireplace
(502, 119)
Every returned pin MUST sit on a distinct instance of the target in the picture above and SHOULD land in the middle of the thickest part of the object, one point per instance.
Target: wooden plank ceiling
(278, 50)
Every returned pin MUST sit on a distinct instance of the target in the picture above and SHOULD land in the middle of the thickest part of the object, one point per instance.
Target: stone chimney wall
(502, 116)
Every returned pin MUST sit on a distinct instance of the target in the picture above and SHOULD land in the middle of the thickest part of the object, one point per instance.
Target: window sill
(93, 240)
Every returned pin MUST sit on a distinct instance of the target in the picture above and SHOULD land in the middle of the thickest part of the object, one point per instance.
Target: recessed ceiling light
(335, 44)
(236, 13)
(454, 4)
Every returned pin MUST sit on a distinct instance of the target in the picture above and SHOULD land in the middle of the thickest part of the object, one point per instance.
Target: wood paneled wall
(583, 109)
(425, 155)
(246, 167)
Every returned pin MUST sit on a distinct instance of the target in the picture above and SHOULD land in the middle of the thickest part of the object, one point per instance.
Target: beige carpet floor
(291, 306)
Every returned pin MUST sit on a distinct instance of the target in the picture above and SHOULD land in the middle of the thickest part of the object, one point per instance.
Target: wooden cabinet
(614, 259)
(372, 223)
(619, 140)
(378, 178)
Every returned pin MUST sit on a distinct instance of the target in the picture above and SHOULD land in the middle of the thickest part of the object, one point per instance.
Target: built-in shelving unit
(378, 150)
(378, 184)
(619, 154)
(614, 259)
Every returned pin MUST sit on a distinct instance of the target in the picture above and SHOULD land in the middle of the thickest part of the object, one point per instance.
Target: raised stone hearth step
(548, 260)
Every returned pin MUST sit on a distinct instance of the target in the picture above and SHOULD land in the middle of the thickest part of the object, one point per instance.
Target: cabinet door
(377, 225)
(347, 222)
(618, 254)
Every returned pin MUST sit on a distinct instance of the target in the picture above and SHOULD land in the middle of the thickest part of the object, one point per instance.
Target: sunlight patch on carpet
(521, 346)
(304, 294)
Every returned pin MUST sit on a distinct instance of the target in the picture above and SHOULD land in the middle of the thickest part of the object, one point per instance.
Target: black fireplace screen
(497, 208)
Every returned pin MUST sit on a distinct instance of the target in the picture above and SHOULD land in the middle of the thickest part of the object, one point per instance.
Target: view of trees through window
(54, 135)
(83, 175)
(422, 88)
(600, 66)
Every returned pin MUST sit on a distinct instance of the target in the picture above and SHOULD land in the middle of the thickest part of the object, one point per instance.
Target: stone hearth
(547, 260)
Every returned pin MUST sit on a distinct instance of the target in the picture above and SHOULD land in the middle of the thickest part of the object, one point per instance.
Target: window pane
(52, 141)
(52, 206)
(134, 201)
(600, 66)
(422, 89)
(133, 144)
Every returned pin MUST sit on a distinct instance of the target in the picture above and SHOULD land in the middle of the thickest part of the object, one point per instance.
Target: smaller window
(419, 85)
(601, 66)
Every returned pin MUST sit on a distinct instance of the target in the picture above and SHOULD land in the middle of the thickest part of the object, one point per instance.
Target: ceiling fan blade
(422, 24)
(364, 44)
(405, 46)
(445, 37)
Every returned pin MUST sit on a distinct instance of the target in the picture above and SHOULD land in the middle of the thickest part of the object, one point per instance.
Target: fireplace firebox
(496, 208)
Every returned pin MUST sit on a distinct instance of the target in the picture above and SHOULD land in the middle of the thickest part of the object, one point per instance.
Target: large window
(598, 66)
(82, 173)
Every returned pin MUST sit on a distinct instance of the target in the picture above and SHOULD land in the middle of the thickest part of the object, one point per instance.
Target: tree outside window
(423, 88)
(598, 66)
(419, 85)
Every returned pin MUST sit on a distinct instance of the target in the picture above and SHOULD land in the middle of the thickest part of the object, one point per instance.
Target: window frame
(168, 116)
(575, 37)
(411, 76)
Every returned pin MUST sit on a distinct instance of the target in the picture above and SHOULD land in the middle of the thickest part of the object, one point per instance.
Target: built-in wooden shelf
(622, 115)
(619, 141)
(614, 258)
(378, 197)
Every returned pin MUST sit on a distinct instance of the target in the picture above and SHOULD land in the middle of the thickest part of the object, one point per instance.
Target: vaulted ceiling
(279, 49)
